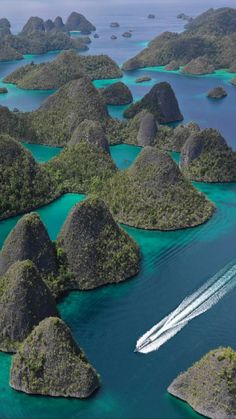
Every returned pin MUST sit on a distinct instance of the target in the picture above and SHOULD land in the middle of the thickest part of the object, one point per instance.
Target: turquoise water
(124, 155)
(53, 216)
(175, 156)
(42, 153)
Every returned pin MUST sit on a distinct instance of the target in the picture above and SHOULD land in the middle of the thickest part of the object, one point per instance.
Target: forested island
(206, 44)
(39, 36)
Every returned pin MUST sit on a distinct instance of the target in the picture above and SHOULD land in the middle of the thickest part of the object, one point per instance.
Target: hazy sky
(19, 10)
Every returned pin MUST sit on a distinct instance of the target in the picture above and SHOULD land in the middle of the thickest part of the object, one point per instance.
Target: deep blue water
(107, 322)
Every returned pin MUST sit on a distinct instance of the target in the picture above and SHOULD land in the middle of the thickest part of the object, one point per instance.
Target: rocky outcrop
(117, 94)
(32, 188)
(5, 27)
(78, 166)
(147, 131)
(37, 37)
(15, 125)
(98, 251)
(66, 67)
(161, 102)
(7, 53)
(183, 16)
(113, 37)
(143, 79)
(58, 117)
(34, 24)
(217, 93)
(172, 66)
(198, 66)
(49, 25)
(51, 363)
(77, 22)
(91, 132)
(114, 25)
(151, 16)
(127, 34)
(206, 157)
(29, 239)
(3, 90)
(59, 25)
(153, 194)
(209, 385)
(25, 301)
(233, 81)
(177, 137)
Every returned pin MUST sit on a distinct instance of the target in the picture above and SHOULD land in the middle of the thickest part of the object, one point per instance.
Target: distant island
(66, 67)
(39, 36)
(206, 44)
(209, 385)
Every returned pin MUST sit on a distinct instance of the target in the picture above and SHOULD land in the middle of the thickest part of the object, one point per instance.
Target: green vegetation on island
(174, 139)
(24, 184)
(39, 36)
(97, 250)
(25, 301)
(208, 43)
(29, 240)
(51, 363)
(206, 157)
(153, 194)
(57, 118)
(209, 386)
(66, 67)
(80, 166)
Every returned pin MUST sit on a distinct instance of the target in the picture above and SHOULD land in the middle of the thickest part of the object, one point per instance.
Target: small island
(3, 90)
(66, 67)
(97, 250)
(209, 385)
(114, 25)
(127, 34)
(143, 79)
(217, 93)
(51, 363)
(153, 194)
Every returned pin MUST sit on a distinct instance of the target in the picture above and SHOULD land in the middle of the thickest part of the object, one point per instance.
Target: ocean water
(107, 322)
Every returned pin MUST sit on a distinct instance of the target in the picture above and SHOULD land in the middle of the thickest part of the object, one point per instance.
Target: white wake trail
(193, 306)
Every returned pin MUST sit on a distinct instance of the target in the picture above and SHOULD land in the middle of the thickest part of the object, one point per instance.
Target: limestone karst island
(118, 209)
